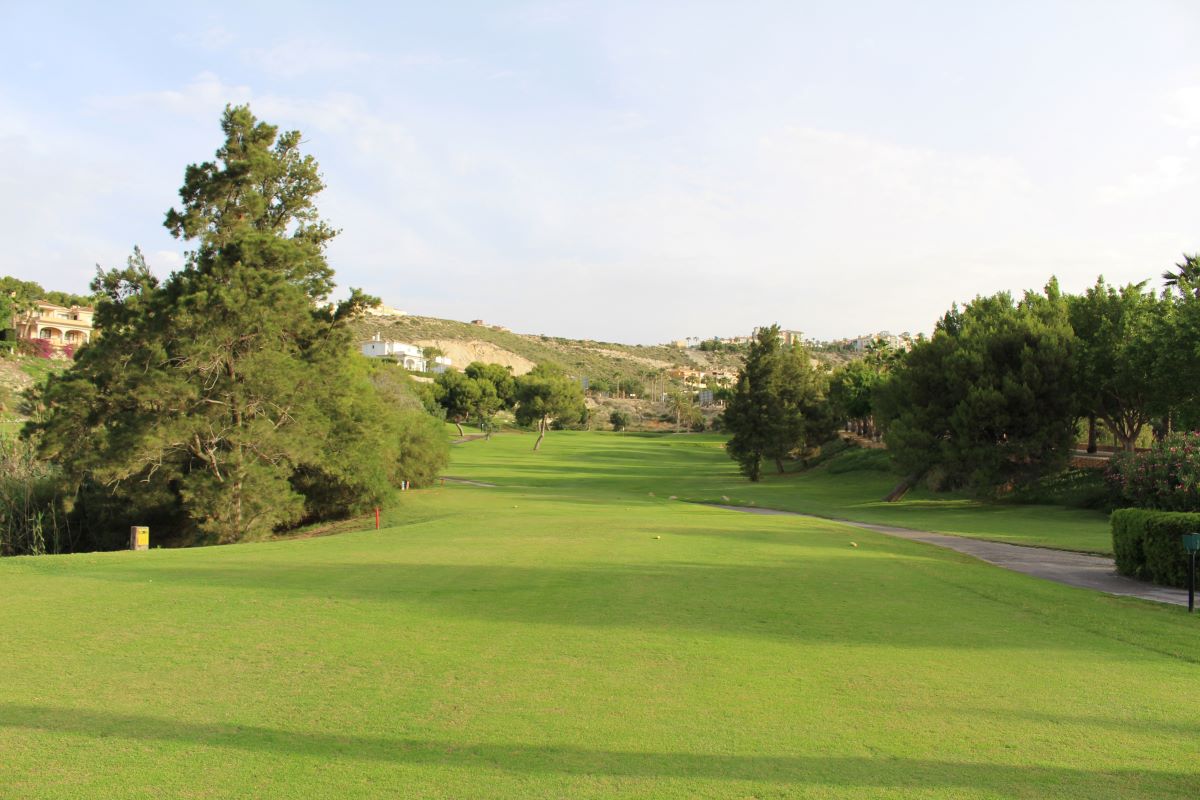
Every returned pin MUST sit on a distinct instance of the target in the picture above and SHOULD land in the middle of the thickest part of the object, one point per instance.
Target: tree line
(543, 396)
(1001, 391)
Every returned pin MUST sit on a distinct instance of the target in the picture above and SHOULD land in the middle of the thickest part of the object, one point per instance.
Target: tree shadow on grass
(845, 599)
(1007, 780)
(1159, 728)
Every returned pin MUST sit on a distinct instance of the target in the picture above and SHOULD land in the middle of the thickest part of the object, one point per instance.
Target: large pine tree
(227, 392)
(990, 399)
(777, 408)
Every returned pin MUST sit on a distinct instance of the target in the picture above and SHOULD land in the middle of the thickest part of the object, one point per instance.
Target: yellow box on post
(139, 538)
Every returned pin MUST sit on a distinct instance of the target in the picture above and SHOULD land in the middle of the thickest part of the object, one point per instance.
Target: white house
(408, 356)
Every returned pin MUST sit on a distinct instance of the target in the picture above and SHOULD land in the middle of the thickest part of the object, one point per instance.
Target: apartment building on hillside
(62, 326)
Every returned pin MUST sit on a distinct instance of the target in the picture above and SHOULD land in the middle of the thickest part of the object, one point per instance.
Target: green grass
(850, 486)
(566, 635)
(40, 368)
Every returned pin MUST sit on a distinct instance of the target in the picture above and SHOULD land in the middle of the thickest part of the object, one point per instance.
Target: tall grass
(32, 516)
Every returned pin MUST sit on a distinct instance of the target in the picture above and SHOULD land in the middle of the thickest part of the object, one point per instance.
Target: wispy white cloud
(1183, 108)
(1166, 174)
(53, 190)
(296, 57)
(748, 166)
(210, 39)
(202, 98)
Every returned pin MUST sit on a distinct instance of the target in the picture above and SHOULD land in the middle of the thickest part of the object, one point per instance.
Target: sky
(634, 172)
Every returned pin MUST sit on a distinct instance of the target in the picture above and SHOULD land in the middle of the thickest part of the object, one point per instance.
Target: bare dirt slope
(463, 353)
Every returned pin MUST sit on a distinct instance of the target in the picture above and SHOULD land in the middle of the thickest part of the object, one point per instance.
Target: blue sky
(632, 171)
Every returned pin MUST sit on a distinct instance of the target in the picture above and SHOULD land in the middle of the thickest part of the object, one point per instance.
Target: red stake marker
(376, 517)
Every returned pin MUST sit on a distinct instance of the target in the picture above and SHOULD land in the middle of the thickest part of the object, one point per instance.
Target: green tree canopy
(545, 394)
(229, 389)
(778, 407)
(853, 386)
(465, 397)
(499, 376)
(1120, 335)
(990, 397)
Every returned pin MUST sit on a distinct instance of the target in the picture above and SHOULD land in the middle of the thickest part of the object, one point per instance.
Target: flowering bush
(36, 347)
(1166, 477)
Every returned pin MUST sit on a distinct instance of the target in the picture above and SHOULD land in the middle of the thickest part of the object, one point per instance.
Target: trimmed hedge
(1148, 546)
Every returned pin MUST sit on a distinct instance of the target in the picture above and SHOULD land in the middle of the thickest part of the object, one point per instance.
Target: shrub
(1074, 488)
(827, 451)
(619, 420)
(1148, 544)
(41, 348)
(860, 460)
(424, 450)
(1166, 477)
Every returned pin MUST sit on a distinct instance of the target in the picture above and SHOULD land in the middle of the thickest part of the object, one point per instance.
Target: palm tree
(1189, 273)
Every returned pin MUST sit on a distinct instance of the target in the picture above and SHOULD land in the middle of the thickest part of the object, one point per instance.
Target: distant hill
(465, 342)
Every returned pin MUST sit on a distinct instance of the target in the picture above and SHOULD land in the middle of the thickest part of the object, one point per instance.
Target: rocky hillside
(464, 342)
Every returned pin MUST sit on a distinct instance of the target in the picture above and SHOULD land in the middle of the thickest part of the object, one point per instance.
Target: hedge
(1148, 546)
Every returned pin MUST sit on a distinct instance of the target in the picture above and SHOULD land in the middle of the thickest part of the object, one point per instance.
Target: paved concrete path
(470, 437)
(1073, 569)
(467, 482)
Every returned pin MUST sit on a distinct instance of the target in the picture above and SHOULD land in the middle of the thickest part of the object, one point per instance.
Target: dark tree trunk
(779, 465)
(458, 425)
(902, 488)
(1091, 445)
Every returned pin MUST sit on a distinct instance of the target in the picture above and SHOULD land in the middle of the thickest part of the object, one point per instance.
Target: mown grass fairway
(695, 467)
(570, 636)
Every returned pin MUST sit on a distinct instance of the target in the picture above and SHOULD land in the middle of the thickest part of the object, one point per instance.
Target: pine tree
(778, 406)
(990, 399)
(546, 394)
(229, 388)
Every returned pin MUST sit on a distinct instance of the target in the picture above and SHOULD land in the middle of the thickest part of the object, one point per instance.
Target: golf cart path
(467, 482)
(1061, 566)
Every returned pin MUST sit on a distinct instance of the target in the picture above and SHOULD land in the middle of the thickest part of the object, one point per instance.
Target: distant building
(59, 325)
(406, 355)
(691, 378)
(788, 338)
(478, 322)
(901, 342)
